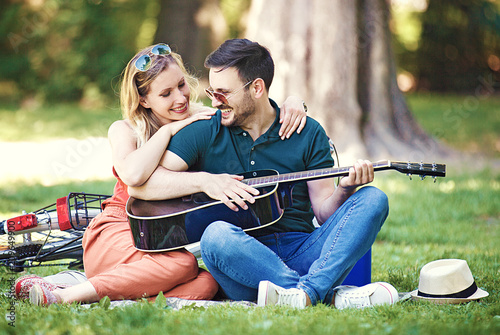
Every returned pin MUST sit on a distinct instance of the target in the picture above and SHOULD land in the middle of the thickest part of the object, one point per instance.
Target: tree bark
(337, 56)
(193, 28)
(389, 128)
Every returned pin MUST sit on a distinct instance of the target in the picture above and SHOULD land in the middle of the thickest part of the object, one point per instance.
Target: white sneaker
(271, 294)
(365, 296)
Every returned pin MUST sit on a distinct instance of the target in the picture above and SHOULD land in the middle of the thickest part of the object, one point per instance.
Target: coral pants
(118, 270)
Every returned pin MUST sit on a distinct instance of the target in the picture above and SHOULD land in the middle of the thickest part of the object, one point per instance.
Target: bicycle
(52, 233)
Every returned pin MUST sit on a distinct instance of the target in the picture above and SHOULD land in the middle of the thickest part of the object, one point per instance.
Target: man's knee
(376, 196)
(216, 243)
(376, 199)
(214, 234)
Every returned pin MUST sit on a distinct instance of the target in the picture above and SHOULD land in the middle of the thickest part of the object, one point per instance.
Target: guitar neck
(434, 170)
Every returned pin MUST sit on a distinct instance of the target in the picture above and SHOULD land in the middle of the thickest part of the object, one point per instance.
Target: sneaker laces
(291, 297)
(357, 297)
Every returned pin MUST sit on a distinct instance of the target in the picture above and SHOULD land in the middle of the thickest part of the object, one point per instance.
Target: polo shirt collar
(272, 132)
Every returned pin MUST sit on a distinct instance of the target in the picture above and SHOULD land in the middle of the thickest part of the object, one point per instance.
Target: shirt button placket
(252, 152)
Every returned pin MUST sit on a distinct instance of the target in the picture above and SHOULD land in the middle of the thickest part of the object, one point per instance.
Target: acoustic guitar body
(172, 224)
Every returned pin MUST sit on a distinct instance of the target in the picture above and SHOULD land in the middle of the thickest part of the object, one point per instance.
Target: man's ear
(143, 102)
(259, 87)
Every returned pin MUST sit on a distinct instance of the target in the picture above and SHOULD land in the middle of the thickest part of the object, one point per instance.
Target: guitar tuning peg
(409, 175)
(422, 176)
(435, 178)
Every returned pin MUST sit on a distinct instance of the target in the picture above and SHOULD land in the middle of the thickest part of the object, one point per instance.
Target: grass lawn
(467, 122)
(55, 122)
(456, 217)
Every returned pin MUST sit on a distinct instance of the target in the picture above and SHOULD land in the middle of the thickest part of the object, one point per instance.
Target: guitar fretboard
(308, 175)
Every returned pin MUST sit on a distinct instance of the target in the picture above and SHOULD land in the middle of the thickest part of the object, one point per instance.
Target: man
(290, 262)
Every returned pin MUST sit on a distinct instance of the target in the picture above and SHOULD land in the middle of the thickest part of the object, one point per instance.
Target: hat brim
(477, 295)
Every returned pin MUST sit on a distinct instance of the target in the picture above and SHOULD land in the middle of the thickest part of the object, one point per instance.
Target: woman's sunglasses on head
(144, 62)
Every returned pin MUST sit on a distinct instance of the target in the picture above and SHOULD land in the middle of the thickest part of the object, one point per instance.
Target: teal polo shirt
(206, 145)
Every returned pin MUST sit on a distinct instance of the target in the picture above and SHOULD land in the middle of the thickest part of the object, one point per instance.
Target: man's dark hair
(251, 59)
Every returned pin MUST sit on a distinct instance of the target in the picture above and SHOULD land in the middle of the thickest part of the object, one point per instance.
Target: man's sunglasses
(144, 62)
(221, 96)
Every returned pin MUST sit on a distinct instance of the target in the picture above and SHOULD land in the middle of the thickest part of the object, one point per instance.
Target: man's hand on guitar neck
(360, 173)
(326, 198)
(230, 190)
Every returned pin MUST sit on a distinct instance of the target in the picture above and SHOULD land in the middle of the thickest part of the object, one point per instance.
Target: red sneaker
(41, 296)
(24, 284)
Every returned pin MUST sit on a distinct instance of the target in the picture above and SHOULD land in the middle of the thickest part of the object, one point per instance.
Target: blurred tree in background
(347, 76)
(447, 45)
(67, 50)
(194, 28)
(63, 50)
(460, 43)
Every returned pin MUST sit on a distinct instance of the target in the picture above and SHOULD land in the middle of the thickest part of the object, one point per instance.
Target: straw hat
(447, 281)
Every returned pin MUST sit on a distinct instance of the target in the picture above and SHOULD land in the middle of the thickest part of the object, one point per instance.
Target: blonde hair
(136, 84)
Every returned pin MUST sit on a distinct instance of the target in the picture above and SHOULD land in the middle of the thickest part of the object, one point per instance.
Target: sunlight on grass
(468, 123)
(395, 185)
(447, 186)
(55, 122)
(30, 195)
(455, 213)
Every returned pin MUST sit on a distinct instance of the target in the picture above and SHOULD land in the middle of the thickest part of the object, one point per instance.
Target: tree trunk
(193, 28)
(337, 56)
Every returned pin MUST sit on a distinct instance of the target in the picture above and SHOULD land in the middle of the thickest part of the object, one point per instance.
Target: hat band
(462, 294)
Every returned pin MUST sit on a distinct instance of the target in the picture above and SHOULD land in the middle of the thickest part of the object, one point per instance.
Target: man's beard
(246, 111)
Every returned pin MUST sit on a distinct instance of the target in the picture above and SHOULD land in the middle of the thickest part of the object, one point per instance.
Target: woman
(157, 99)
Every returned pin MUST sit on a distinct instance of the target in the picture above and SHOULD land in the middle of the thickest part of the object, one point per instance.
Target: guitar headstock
(422, 169)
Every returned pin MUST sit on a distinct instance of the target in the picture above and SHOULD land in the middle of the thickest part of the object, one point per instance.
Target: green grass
(19, 195)
(145, 318)
(55, 122)
(469, 123)
(457, 217)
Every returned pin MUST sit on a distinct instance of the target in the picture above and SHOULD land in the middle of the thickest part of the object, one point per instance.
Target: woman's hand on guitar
(230, 190)
(360, 174)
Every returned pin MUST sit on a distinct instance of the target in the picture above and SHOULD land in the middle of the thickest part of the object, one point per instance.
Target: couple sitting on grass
(288, 263)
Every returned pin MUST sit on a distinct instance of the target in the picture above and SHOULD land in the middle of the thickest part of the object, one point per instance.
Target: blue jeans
(315, 262)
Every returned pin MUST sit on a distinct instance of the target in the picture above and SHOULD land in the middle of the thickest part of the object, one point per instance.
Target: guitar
(177, 223)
